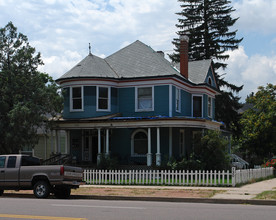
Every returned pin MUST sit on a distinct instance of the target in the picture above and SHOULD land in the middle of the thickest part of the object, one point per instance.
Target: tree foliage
(207, 24)
(258, 138)
(27, 96)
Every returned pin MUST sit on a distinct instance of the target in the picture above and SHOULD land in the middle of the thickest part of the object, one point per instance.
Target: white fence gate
(168, 177)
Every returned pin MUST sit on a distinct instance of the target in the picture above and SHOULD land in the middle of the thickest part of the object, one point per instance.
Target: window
(177, 99)
(103, 98)
(210, 107)
(76, 98)
(209, 81)
(2, 162)
(197, 106)
(30, 161)
(139, 142)
(144, 99)
(11, 162)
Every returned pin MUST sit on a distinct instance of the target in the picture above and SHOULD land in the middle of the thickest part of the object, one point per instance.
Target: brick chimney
(184, 45)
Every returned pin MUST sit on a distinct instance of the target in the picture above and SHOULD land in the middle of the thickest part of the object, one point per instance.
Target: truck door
(2, 170)
(11, 174)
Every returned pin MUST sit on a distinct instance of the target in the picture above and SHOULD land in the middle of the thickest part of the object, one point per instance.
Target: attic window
(210, 81)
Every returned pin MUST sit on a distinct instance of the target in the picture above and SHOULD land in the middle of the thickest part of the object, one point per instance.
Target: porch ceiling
(121, 122)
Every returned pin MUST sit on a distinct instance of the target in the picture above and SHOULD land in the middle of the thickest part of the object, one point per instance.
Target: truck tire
(41, 189)
(62, 192)
(1, 192)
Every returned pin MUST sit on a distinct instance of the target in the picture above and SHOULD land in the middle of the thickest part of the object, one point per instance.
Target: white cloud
(256, 15)
(251, 71)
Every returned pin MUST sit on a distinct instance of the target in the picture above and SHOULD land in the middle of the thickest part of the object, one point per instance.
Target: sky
(61, 31)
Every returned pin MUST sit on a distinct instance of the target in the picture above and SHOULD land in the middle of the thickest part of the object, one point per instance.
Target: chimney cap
(184, 37)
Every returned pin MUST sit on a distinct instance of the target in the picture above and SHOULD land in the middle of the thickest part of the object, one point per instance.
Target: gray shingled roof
(197, 70)
(90, 66)
(140, 60)
(135, 60)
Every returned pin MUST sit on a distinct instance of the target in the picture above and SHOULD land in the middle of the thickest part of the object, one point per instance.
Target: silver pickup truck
(23, 172)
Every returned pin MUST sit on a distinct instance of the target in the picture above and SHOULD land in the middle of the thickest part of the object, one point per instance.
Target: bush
(108, 162)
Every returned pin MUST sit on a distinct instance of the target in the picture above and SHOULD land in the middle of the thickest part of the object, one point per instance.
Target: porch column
(158, 154)
(57, 142)
(107, 142)
(67, 142)
(149, 154)
(170, 142)
(99, 146)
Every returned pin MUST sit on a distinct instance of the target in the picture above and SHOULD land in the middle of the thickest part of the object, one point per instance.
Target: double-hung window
(76, 97)
(103, 98)
(177, 99)
(144, 99)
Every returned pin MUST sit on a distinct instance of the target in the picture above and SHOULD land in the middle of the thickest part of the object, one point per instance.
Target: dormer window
(209, 81)
(76, 98)
(103, 98)
(144, 98)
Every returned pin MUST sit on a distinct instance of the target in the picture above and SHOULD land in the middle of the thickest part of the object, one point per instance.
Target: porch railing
(174, 178)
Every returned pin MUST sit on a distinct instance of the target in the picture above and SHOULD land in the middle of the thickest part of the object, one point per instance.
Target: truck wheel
(62, 192)
(41, 189)
(1, 192)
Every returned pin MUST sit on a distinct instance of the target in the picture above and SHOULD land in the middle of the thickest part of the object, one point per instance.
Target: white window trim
(136, 99)
(71, 99)
(109, 99)
(211, 108)
(201, 104)
(132, 143)
(178, 89)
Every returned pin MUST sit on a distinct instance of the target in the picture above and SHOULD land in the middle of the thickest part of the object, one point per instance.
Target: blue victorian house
(136, 105)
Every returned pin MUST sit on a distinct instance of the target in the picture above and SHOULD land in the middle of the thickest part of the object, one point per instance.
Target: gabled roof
(134, 61)
(197, 70)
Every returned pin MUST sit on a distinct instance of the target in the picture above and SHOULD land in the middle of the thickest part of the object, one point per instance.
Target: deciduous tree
(258, 138)
(27, 96)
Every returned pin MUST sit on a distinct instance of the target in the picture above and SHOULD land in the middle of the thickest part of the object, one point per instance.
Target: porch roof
(113, 121)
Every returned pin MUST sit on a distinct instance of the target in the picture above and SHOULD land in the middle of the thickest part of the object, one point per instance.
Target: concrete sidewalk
(231, 195)
(248, 191)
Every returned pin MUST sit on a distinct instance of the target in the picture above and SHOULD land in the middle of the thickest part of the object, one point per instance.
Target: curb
(182, 200)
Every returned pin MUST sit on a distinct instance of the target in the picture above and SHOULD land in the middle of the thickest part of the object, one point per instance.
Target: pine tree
(207, 24)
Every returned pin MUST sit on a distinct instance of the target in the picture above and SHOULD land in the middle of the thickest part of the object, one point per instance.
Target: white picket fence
(164, 177)
(244, 176)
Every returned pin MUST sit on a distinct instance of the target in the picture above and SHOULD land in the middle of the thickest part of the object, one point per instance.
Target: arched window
(139, 143)
(209, 81)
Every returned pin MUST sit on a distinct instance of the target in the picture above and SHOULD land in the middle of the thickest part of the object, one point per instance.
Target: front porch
(134, 141)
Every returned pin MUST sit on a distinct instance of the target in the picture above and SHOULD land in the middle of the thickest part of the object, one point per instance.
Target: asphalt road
(77, 209)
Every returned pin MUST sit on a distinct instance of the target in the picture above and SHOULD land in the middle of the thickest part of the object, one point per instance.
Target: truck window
(11, 162)
(30, 161)
(2, 162)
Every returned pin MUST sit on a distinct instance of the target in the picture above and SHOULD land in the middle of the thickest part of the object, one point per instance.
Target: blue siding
(127, 102)
(210, 74)
(89, 99)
